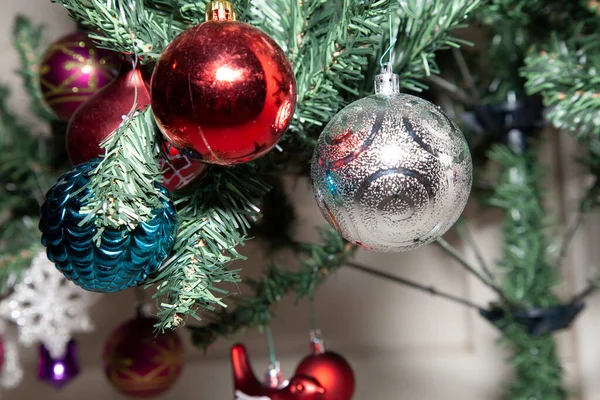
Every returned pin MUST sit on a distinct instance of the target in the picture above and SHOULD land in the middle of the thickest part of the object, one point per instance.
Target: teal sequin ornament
(123, 258)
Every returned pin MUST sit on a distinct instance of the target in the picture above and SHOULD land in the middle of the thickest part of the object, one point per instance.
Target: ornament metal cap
(220, 10)
(387, 82)
(317, 344)
(274, 376)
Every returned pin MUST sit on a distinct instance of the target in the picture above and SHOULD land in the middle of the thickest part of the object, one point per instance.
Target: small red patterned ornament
(248, 387)
(330, 369)
(139, 363)
(73, 70)
(178, 170)
(223, 92)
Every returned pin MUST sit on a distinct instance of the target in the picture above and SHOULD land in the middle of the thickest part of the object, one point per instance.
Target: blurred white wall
(403, 344)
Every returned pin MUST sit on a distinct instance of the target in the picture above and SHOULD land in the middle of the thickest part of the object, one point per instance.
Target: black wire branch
(466, 74)
(463, 263)
(590, 289)
(587, 203)
(568, 238)
(465, 234)
(452, 89)
(415, 285)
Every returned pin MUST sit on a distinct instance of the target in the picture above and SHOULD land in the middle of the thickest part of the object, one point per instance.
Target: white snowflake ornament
(47, 307)
(11, 371)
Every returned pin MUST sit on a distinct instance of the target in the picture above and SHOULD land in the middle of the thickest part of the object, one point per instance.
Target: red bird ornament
(248, 387)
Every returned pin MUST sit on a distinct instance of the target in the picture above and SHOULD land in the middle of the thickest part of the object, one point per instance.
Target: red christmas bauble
(178, 170)
(139, 363)
(72, 70)
(332, 371)
(223, 92)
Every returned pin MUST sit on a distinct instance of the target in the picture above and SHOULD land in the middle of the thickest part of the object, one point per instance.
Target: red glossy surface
(247, 386)
(223, 92)
(102, 114)
(332, 371)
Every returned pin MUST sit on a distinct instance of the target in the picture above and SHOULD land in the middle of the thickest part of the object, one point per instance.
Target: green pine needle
(317, 262)
(29, 43)
(567, 75)
(123, 188)
(214, 219)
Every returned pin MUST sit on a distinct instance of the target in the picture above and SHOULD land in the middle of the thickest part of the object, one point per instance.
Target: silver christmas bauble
(391, 172)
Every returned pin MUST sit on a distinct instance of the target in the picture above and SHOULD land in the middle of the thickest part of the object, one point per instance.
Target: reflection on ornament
(58, 371)
(223, 92)
(47, 308)
(391, 172)
(72, 70)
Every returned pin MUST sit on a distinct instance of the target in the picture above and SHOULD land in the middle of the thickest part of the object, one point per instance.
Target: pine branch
(317, 262)
(328, 45)
(425, 28)
(566, 74)
(27, 40)
(192, 12)
(140, 27)
(13, 265)
(555, 13)
(214, 219)
(123, 188)
(23, 182)
(24, 177)
(528, 276)
(538, 369)
(129, 26)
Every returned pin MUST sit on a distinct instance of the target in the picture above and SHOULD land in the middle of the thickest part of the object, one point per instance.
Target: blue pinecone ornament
(123, 259)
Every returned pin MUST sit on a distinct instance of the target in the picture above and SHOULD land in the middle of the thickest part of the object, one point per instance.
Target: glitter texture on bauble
(391, 172)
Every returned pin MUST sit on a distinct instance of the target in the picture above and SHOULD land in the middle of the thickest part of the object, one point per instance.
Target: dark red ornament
(223, 92)
(248, 387)
(139, 363)
(102, 114)
(330, 369)
(72, 70)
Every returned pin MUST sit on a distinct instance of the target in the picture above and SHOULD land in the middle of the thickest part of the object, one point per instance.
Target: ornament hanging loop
(390, 48)
(317, 344)
(220, 10)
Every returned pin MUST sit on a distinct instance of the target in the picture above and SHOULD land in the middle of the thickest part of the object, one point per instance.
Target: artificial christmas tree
(391, 171)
